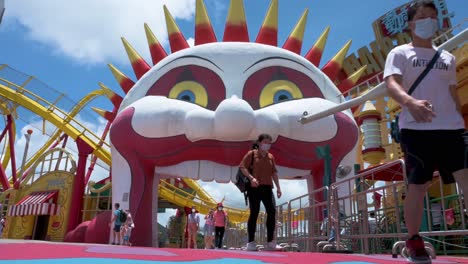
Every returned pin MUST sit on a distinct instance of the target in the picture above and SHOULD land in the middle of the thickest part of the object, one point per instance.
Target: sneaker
(251, 246)
(416, 251)
(273, 246)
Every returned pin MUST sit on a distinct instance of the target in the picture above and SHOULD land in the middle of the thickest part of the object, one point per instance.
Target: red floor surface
(44, 252)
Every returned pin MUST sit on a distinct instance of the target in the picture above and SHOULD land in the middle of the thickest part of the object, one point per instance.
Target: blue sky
(67, 44)
(48, 56)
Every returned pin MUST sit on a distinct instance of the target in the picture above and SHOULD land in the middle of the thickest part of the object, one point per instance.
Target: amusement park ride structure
(62, 185)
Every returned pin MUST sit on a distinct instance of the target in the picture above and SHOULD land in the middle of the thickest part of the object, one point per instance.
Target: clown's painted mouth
(175, 150)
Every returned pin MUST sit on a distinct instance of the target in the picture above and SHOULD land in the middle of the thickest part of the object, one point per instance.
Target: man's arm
(456, 98)
(421, 110)
(245, 171)
(114, 217)
(276, 180)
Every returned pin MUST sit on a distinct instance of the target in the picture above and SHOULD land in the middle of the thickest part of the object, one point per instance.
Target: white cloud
(191, 42)
(89, 31)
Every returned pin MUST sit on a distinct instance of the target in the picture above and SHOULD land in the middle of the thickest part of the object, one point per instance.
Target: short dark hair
(262, 137)
(413, 9)
(117, 205)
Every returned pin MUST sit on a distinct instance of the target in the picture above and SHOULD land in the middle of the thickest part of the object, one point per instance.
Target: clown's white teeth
(212, 171)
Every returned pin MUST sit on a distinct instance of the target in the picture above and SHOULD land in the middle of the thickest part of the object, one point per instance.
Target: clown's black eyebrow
(191, 56)
(273, 58)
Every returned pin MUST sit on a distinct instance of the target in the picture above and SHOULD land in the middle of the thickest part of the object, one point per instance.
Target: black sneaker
(416, 251)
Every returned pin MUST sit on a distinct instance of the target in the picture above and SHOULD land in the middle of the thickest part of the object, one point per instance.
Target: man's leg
(414, 207)
(221, 235)
(216, 236)
(270, 206)
(194, 233)
(113, 235)
(254, 204)
(117, 235)
(189, 240)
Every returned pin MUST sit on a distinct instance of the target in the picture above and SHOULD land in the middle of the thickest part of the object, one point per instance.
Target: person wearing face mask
(431, 121)
(193, 224)
(262, 174)
(209, 229)
(220, 223)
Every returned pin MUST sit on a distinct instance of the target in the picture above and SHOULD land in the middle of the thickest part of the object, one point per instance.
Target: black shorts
(429, 150)
(117, 228)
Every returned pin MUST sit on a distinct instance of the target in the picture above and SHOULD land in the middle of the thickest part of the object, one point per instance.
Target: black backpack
(122, 216)
(242, 181)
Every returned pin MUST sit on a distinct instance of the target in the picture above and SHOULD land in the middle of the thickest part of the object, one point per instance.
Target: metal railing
(372, 227)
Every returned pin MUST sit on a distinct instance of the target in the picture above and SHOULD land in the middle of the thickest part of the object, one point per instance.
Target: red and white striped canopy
(37, 203)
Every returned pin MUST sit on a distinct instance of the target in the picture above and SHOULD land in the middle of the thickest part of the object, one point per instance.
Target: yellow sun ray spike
(109, 116)
(177, 40)
(236, 25)
(294, 41)
(125, 83)
(268, 33)
(332, 67)
(156, 49)
(139, 65)
(113, 97)
(349, 82)
(204, 32)
(314, 55)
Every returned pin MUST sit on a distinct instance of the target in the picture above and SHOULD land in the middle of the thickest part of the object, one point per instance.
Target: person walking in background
(117, 235)
(193, 224)
(220, 223)
(260, 167)
(208, 229)
(2, 224)
(128, 226)
(431, 122)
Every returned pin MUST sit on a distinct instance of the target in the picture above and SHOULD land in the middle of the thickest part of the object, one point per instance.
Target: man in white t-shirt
(431, 123)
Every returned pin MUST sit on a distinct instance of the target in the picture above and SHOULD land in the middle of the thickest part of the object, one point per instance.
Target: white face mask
(265, 147)
(193, 210)
(426, 28)
(220, 208)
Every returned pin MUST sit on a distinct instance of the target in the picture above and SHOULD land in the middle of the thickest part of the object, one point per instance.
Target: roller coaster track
(66, 123)
(60, 119)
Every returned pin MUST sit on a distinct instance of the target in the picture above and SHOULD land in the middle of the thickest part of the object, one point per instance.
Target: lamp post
(323, 152)
(25, 154)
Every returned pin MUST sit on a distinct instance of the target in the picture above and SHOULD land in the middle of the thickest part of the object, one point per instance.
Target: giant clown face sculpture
(195, 113)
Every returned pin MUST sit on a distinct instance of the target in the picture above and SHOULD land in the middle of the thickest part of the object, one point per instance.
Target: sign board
(395, 21)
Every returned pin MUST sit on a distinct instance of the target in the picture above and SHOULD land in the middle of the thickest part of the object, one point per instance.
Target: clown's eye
(277, 91)
(191, 83)
(277, 84)
(189, 91)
